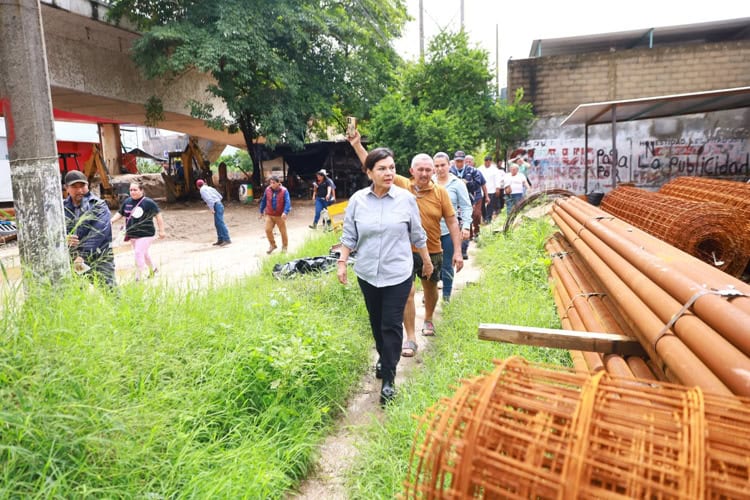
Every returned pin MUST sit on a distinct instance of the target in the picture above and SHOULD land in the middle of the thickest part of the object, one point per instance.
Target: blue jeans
(512, 200)
(222, 232)
(446, 271)
(320, 204)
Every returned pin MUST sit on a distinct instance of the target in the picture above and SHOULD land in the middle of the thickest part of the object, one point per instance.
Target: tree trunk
(247, 125)
(35, 175)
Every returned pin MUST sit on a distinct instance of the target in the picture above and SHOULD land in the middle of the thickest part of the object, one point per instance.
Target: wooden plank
(606, 343)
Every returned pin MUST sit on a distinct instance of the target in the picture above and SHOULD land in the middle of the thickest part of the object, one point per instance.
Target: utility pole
(35, 175)
(421, 30)
(462, 15)
(497, 62)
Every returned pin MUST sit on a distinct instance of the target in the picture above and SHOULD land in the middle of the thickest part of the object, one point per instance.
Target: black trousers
(385, 306)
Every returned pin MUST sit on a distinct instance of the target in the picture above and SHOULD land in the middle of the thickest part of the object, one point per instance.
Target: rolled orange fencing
(526, 431)
(709, 231)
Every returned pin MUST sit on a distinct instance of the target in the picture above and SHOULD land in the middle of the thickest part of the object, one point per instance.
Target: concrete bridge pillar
(109, 135)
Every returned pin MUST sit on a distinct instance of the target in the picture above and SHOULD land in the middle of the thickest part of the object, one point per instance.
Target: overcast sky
(522, 22)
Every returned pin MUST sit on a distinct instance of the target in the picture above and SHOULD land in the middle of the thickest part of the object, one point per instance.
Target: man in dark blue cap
(89, 230)
(476, 185)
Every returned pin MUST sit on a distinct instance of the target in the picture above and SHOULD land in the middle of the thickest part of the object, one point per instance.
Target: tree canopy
(279, 64)
(442, 103)
(447, 102)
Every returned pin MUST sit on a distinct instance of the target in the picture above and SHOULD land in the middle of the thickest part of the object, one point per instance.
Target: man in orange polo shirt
(434, 204)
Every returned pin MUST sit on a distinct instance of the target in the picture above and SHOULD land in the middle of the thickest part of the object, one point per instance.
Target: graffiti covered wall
(649, 152)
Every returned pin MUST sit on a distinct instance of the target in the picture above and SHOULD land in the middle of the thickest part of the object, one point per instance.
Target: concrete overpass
(91, 73)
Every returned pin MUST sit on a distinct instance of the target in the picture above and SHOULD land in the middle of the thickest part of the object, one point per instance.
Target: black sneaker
(225, 243)
(216, 243)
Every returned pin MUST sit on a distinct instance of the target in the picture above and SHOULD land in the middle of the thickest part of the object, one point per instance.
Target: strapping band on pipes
(709, 231)
(527, 431)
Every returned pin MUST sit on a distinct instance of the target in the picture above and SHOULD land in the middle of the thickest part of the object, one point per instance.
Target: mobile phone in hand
(351, 126)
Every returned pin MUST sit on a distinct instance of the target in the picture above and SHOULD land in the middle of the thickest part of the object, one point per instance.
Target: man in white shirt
(494, 184)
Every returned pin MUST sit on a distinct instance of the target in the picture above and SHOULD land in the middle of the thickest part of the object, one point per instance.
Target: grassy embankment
(513, 289)
(208, 392)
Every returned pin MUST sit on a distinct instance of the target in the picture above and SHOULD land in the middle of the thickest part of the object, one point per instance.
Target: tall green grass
(513, 289)
(158, 392)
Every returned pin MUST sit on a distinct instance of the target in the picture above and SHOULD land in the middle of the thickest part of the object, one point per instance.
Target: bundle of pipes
(710, 231)
(583, 306)
(692, 320)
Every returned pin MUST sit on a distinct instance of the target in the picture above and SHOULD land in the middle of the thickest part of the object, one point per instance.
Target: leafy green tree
(510, 124)
(279, 64)
(442, 103)
(240, 161)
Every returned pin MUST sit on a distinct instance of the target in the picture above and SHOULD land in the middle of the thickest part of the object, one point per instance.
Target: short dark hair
(376, 155)
(488, 157)
(274, 178)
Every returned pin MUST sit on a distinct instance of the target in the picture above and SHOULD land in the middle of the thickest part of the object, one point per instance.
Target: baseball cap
(74, 177)
(459, 155)
(199, 182)
(322, 171)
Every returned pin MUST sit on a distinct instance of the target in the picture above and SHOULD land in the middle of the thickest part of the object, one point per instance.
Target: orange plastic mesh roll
(709, 231)
(526, 431)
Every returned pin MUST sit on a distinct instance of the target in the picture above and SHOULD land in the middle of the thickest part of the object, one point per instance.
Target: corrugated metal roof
(659, 106)
(709, 32)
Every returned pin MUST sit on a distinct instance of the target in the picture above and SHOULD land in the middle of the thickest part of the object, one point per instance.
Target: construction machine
(184, 168)
(93, 166)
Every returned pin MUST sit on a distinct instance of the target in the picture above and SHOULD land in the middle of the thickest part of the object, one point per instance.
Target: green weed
(221, 391)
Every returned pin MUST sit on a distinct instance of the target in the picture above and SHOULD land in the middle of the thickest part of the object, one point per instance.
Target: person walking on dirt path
(494, 179)
(434, 205)
(516, 185)
(322, 195)
(275, 205)
(476, 184)
(381, 223)
(459, 197)
(212, 198)
(140, 212)
(89, 231)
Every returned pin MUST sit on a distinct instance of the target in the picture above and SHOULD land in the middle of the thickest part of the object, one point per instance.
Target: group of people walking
(403, 228)
(89, 222)
(400, 228)
(88, 225)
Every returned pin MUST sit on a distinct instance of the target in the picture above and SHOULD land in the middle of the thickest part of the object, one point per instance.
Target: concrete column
(35, 175)
(109, 135)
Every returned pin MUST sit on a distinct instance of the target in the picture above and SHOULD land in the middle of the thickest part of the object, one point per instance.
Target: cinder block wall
(557, 84)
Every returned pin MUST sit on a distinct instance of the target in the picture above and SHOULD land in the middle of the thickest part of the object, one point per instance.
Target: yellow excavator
(184, 168)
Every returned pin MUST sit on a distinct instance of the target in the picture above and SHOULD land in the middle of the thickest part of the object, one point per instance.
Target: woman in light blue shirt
(381, 223)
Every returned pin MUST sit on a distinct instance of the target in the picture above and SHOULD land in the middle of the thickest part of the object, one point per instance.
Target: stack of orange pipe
(583, 306)
(648, 282)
